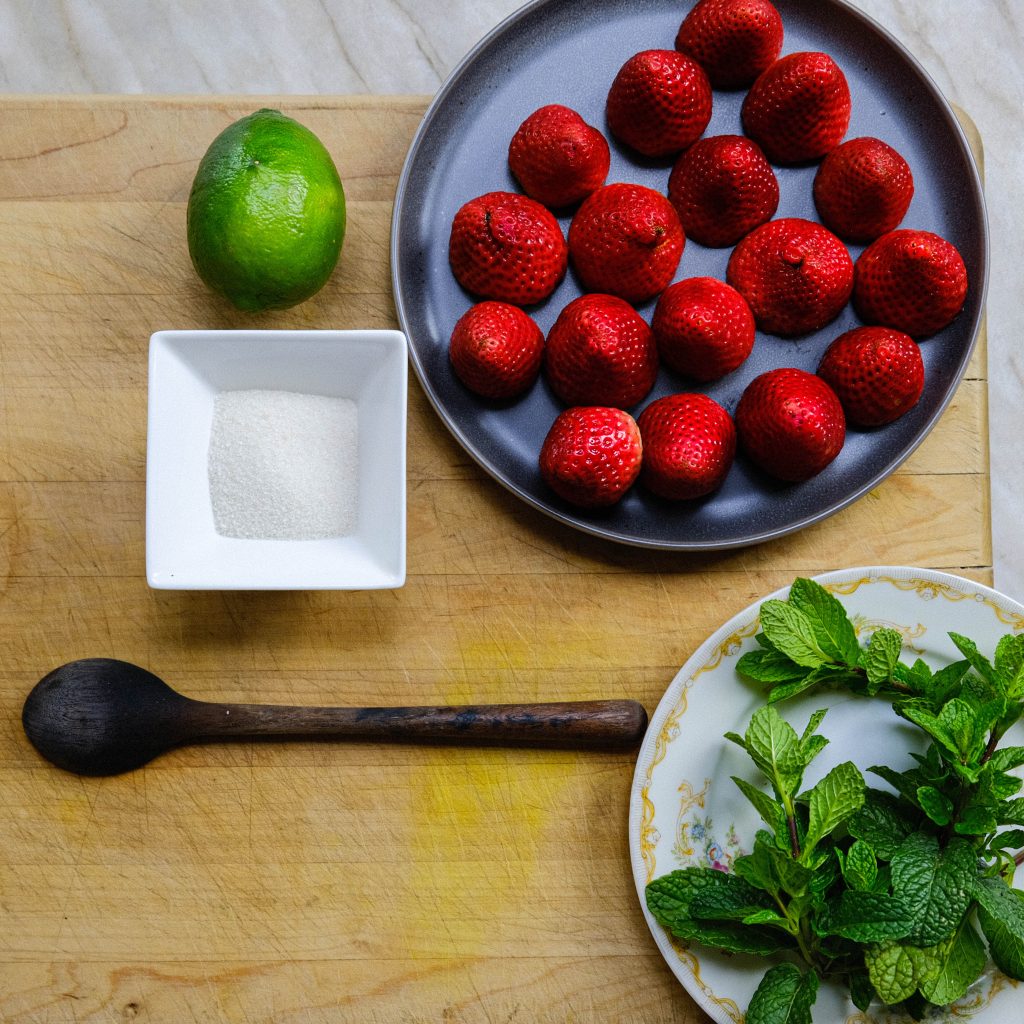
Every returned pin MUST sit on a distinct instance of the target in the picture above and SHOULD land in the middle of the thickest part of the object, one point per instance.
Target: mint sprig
(873, 887)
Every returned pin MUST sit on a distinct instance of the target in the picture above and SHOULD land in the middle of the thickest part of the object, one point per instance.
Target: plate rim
(750, 537)
(717, 1007)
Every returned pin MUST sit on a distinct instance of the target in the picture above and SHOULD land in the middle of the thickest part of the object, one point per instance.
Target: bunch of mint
(875, 888)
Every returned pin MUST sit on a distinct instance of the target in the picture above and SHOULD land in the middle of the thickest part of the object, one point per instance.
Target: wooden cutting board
(309, 882)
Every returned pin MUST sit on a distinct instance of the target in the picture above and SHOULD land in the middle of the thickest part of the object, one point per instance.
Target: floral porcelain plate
(685, 810)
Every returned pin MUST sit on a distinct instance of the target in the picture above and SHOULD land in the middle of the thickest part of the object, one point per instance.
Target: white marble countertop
(975, 53)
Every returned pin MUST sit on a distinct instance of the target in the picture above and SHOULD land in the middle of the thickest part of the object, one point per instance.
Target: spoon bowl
(99, 716)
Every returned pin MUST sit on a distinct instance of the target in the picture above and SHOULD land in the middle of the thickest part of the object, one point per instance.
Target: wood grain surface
(313, 882)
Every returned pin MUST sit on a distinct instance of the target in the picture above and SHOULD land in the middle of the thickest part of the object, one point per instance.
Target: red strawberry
(704, 328)
(790, 423)
(600, 351)
(557, 157)
(877, 373)
(591, 455)
(505, 246)
(914, 281)
(795, 274)
(799, 109)
(626, 240)
(659, 103)
(722, 188)
(733, 40)
(689, 444)
(863, 189)
(496, 350)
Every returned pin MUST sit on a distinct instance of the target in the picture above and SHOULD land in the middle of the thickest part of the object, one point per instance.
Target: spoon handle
(597, 723)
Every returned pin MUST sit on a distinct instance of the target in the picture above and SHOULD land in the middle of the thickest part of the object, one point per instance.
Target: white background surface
(973, 50)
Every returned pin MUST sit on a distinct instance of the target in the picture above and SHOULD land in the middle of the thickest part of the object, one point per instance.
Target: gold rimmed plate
(686, 811)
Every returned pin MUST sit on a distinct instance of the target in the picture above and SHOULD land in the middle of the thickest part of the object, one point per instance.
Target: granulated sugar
(283, 466)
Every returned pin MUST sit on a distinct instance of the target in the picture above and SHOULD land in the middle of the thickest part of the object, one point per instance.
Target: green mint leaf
(860, 867)
(861, 990)
(924, 719)
(947, 682)
(773, 746)
(933, 768)
(832, 801)
(969, 649)
(772, 813)
(736, 738)
(784, 996)
(823, 878)
(1001, 915)
(811, 747)
(936, 805)
(766, 917)
(1012, 839)
(966, 726)
(1003, 785)
(930, 759)
(883, 883)
(868, 917)
(976, 821)
(892, 970)
(811, 744)
(979, 689)
(1010, 664)
(992, 709)
(782, 691)
(668, 897)
(832, 627)
(955, 965)
(880, 823)
(989, 799)
(791, 633)
(903, 782)
(767, 665)
(733, 937)
(1012, 812)
(1009, 658)
(881, 657)
(1007, 758)
(823, 674)
(813, 722)
(731, 898)
(757, 867)
(990, 714)
(1015, 686)
(919, 677)
(969, 773)
(772, 869)
(935, 886)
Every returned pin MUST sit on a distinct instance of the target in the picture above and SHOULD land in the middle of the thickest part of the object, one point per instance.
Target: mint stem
(794, 840)
(993, 742)
(802, 940)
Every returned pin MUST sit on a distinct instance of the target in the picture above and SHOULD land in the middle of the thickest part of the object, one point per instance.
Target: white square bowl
(187, 369)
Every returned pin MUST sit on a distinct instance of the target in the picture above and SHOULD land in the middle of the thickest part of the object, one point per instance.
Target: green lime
(266, 216)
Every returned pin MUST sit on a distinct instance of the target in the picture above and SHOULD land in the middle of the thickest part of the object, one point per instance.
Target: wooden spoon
(98, 716)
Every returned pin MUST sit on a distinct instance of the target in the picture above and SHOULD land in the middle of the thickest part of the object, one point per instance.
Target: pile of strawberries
(786, 277)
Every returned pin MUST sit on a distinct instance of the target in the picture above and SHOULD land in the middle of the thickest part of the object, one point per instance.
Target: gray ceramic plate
(563, 51)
